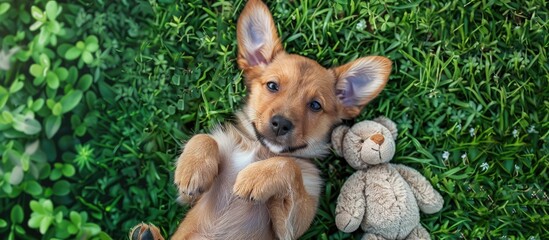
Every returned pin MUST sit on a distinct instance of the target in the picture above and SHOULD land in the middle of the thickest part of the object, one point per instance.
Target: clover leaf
(83, 49)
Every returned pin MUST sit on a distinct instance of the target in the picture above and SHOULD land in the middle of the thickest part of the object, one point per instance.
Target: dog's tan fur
(244, 180)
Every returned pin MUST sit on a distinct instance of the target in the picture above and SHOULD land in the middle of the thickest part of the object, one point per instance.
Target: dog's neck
(245, 128)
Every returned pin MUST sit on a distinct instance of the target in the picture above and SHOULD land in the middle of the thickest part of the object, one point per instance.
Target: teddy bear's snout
(377, 138)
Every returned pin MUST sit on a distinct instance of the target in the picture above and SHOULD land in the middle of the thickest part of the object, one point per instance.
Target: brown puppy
(252, 178)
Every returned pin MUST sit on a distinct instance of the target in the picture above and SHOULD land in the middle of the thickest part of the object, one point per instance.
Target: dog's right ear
(258, 41)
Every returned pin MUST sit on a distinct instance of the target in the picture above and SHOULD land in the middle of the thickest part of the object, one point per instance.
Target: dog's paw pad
(145, 232)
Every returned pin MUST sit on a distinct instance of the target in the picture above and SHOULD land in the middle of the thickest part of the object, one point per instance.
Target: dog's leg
(189, 227)
(279, 182)
(195, 172)
(292, 214)
(144, 231)
(196, 167)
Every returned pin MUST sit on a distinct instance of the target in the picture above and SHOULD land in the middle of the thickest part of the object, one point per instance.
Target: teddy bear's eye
(361, 140)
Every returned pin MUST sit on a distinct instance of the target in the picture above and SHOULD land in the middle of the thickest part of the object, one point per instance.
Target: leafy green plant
(84, 157)
(44, 216)
(47, 23)
(84, 50)
(44, 91)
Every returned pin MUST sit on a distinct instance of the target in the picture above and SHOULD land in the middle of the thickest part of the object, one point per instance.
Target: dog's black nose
(280, 125)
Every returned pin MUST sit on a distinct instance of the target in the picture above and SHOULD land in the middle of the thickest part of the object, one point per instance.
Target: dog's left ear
(359, 82)
(258, 41)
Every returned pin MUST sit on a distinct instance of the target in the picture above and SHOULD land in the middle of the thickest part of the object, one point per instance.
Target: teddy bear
(382, 198)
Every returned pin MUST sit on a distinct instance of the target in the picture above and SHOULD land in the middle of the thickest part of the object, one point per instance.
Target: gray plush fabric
(381, 198)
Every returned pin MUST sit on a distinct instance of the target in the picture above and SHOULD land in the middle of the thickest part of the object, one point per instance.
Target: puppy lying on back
(253, 178)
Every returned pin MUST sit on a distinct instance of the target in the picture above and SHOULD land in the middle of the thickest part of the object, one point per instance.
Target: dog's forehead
(298, 69)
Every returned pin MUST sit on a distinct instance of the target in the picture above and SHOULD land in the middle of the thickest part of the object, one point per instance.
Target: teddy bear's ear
(337, 138)
(389, 124)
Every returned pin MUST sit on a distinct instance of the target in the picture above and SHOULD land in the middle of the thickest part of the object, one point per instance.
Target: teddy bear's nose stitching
(377, 138)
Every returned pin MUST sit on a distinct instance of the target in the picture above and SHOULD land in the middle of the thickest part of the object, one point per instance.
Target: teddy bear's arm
(351, 203)
(428, 199)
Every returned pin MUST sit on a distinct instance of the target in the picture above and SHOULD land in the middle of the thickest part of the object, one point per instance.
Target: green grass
(469, 78)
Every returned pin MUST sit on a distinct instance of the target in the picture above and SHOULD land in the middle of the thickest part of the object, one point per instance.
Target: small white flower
(361, 25)
(517, 168)
(464, 159)
(515, 133)
(472, 132)
(484, 166)
(532, 129)
(445, 155)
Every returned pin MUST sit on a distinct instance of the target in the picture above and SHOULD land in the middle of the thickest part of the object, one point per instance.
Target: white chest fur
(236, 153)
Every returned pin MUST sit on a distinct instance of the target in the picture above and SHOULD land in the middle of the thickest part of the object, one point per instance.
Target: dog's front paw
(145, 232)
(252, 187)
(196, 167)
(262, 180)
(193, 179)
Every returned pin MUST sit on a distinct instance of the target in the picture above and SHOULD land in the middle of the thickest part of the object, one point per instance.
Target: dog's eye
(315, 106)
(272, 86)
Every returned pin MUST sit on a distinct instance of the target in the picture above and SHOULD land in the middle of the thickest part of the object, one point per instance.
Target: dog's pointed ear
(359, 82)
(258, 41)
